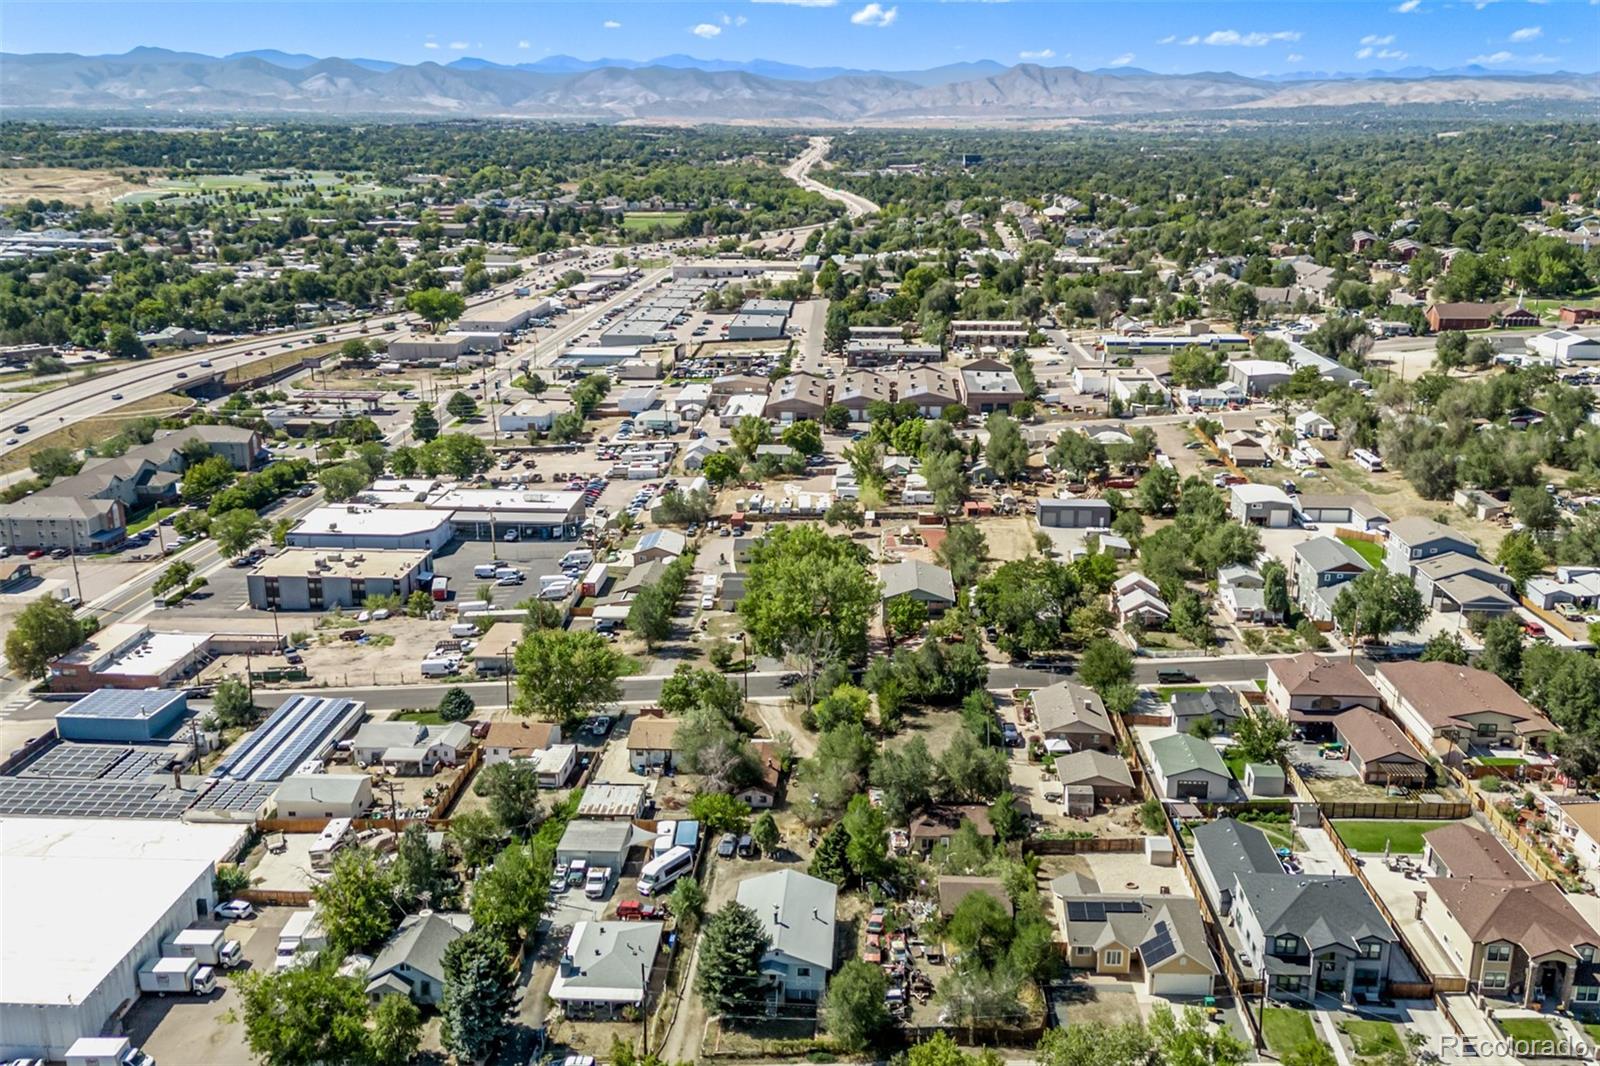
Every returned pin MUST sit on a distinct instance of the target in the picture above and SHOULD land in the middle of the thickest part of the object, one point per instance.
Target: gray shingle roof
(420, 943)
(1066, 704)
(1321, 910)
(1227, 847)
(797, 911)
(1326, 553)
(915, 575)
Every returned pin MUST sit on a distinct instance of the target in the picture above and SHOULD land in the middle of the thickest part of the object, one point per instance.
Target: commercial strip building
(132, 655)
(312, 579)
(87, 902)
(443, 515)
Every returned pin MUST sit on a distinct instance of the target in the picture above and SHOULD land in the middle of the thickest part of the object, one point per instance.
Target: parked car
(1174, 676)
(727, 845)
(235, 910)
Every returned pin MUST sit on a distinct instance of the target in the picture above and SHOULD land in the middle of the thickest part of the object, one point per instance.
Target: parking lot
(533, 557)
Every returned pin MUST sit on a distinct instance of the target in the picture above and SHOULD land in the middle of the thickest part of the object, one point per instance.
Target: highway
(799, 172)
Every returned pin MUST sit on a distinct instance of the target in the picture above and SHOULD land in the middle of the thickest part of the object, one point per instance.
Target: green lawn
(1261, 684)
(1403, 838)
(1373, 1038)
(1285, 1028)
(643, 220)
(1593, 1031)
(426, 717)
(1527, 1030)
(1369, 550)
(1500, 760)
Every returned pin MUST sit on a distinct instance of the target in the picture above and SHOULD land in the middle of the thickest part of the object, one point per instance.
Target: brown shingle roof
(520, 736)
(1372, 736)
(939, 822)
(1442, 693)
(652, 734)
(1469, 852)
(1534, 915)
(1309, 674)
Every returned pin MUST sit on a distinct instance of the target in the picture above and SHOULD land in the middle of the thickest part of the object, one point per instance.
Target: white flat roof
(80, 893)
(542, 501)
(156, 654)
(392, 521)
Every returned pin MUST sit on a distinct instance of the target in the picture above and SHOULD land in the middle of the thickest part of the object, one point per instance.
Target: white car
(235, 910)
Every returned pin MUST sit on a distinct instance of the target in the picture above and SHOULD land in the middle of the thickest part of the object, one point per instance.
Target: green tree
(805, 586)
(971, 771)
(461, 406)
(688, 899)
(512, 791)
(1520, 556)
(750, 433)
(356, 902)
(731, 948)
(480, 995)
(1261, 736)
(236, 531)
(906, 774)
(563, 675)
(804, 436)
(206, 477)
(905, 616)
(1502, 648)
(421, 871)
(456, 705)
(1444, 648)
(303, 1016)
(843, 512)
(846, 704)
(396, 1030)
(1095, 1044)
(868, 832)
(720, 813)
(1193, 367)
(765, 833)
(1005, 818)
(123, 343)
(1377, 603)
(342, 482)
(720, 468)
(1157, 491)
(435, 306)
(52, 463)
(981, 927)
(42, 632)
(962, 552)
(424, 423)
(477, 836)
(853, 1010)
(508, 898)
(1006, 451)
(355, 350)
(1275, 589)
(1194, 1041)
(1105, 663)
(231, 703)
(831, 860)
(1077, 455)
(836, 417)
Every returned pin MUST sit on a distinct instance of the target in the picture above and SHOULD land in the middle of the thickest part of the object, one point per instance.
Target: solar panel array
(76, 761)
(123, 703)
(290, 735)
(68, 798)
(1160, 946)
(235, 796)
(1096, 910)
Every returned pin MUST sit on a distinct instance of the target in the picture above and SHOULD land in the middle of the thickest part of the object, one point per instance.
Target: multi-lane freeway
(799, 172)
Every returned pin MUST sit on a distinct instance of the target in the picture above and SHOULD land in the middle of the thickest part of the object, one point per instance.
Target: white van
(441, 667)
(463, 629)
(502, 573)
(659, 873)
(483, 570)
(577, 558)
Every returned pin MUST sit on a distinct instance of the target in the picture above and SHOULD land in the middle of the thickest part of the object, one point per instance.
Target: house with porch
(1456, 711)
(1313, 691)
(606, 968)
(1221, 705)
(1379, 751)
(797, 913)
(412, 961)
(1073, 717)
(650, 743)
(1311, 935)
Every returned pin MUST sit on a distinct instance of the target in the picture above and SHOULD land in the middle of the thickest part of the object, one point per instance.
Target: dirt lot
(1009, 538)
(96, 187)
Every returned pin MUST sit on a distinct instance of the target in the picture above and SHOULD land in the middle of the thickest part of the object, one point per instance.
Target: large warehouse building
(87, 902)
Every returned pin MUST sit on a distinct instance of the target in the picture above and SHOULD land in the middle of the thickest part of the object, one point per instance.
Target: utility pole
(74, 555)
(744, 642)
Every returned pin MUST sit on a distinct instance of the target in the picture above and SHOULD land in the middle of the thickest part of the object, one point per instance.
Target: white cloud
(458, 46)
(524, 44)
(1527, 33)
(1364, 53)
(730, 20)
(1406, 7)
(875, 14)
(611, 24)
(1373, 38)
(1293, 57)
(430, 44)
(707, 30)
(1121, 61)
(1495, 59)
(1042, 53)
(1170, 38)
(799, 3)
(1245, 40)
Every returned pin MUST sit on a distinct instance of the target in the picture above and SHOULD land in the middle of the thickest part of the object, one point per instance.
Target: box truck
(106, 1051)
(210, 946)
(165, 976)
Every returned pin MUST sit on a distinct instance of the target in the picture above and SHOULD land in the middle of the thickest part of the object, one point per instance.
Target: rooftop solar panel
(67, 798)
(1160, 945)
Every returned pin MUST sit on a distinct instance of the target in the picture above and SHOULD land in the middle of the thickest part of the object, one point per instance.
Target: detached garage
(1188, 768)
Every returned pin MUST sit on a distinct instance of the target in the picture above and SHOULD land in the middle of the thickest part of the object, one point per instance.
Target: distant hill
(684, 89)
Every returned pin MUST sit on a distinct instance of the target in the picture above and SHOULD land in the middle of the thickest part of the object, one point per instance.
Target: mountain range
(680, 88)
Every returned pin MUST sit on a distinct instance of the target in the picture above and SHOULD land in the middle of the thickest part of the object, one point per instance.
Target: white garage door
(1180, 984)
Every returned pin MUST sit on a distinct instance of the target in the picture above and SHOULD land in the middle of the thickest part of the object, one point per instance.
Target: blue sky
(1243, 35)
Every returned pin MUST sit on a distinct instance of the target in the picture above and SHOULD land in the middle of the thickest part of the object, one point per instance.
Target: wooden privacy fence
(275, 897)
(1084, 846)
(1531, 855)
(1401, 811)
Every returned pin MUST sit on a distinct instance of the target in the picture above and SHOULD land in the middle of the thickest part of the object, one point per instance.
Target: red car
(37, 553)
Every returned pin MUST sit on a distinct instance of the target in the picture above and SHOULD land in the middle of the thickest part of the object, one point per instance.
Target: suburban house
(1311, 424)
(1220, 704)
(1226, 848)
(410, 747)
(1074, 513)
(1379, 751)
(1457, 582)
(412, 961)
(1511, 936)
(659, 545)
(952, 890)
(1321, 565)
(606, 968)
(1073, 718)
(763, 794)
(1449, 709)
(1245, 449)
(1159, 940)
(554, 766)
(1261, 505)
(517, 739)
(1188, 768)
(938, 824)
(1104, 774)
(650, 743)
(1577, 818)
(797, 912)
(1136, 596)
(1412, 540)
(1312, 692)
(323, 796)
(1242, 592)
(1312, 935)
(922, 581)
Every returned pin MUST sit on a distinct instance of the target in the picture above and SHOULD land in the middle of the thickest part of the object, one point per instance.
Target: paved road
(799, 172)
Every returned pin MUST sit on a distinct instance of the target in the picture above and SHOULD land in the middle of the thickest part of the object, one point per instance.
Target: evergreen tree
(730, 961)
(479, 995)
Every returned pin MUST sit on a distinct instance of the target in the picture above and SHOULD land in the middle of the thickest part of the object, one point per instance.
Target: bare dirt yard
(96, 187)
